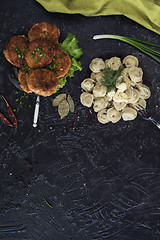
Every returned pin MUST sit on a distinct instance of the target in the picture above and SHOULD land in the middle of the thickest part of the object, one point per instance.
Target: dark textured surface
(102, 181)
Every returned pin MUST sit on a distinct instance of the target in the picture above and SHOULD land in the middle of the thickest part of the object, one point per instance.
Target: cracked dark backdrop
(76, 178)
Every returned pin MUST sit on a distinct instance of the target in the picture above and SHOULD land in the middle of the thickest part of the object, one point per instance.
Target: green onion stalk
(139, 44)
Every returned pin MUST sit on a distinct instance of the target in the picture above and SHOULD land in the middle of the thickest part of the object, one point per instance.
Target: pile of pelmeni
(120, 102)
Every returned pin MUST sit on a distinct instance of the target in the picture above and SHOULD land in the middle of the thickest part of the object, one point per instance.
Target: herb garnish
(110, 77)
(18, 52)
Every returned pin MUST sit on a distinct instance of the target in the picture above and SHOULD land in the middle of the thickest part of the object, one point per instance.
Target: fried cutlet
(40, 53)
(61, 63)
(44, 30)
(23, 76)
(43, 82)
(15, 50)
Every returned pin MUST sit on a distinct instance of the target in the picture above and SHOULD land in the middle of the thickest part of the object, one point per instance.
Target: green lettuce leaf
(70, 45)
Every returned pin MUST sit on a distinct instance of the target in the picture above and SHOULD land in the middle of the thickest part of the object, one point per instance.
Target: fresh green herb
(61, 69)
(140, 44)
(16, 70)
(70, 45)
(37, 84)
(20, 55)
(110, 77)
(18, 52)
(27, 30)
(36, 61)
(47, 203)
(31, 55)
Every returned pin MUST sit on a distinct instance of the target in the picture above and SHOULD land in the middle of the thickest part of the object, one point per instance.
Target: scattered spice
(11, 114)
(4, 120)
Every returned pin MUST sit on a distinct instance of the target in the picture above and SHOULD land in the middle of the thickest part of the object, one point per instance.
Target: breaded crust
(43, 82)
(40, 53)
(61, 63)
(23, 76)
(15, 50)
(44, 30)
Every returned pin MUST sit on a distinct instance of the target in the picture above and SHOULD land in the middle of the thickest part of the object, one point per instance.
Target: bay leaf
(63, 109)
(71, 103)
(58, 99)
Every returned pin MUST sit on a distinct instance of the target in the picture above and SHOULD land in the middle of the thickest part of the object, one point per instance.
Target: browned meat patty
(61, 63)
(40, 53)
(44, 30)
(23, 76)
(15, 50)
(43, 82)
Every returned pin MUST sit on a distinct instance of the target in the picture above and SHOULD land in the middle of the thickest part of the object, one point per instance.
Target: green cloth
(145, 12)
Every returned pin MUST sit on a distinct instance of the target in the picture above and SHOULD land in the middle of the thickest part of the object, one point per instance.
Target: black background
(101, 181)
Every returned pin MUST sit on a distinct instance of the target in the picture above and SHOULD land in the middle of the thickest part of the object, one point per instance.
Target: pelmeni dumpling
(130, 61)
(125, 72)
(127, 90)
(97, 64)
(114, 63)
(88, 84)
(102, 116)
(110, 94)
(113, 115)
(98, 76)
(106, 63)
(93, 76)
(120, 84)
(133, 95)
(128, 114)
(86, 99)
(100, 103)
(99, 90)
(140, 102)
(120, 97)
(119, 105)
(135, 74)
(144, 91)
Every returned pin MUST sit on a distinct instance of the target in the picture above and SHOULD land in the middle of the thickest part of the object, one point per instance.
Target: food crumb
(50, 127)
(10, 174)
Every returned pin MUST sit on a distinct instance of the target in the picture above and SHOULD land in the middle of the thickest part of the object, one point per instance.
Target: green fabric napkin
(145, 12)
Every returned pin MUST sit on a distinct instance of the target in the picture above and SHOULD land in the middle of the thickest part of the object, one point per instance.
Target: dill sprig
(110, 77)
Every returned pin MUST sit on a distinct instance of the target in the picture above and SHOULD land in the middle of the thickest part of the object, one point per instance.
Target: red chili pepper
(11, 114)
(4, 120)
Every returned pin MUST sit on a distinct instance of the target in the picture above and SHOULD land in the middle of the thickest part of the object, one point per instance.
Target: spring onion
(139, 44)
